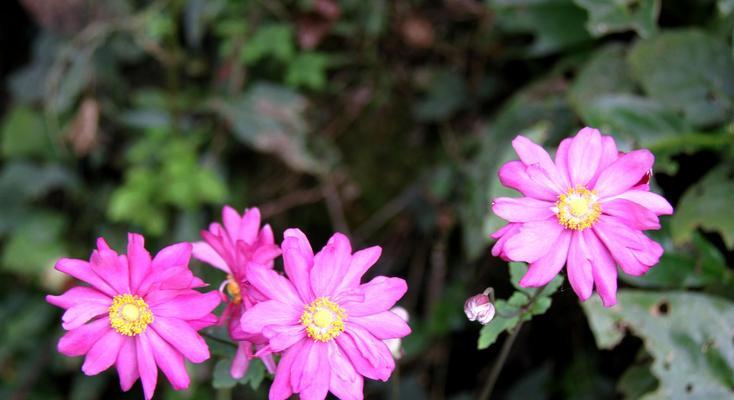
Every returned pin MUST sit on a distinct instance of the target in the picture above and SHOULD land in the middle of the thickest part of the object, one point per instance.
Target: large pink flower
(137, 314)
(329, 327)
(586, 210)
(230, 248)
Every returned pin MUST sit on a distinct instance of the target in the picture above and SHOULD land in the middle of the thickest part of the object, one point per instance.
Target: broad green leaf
(35, 245)
(636, 381)
(605, 73)
(446, 94)
(271, 40)
(270, 119)
(707, 205)
(223, 380)
(555, 24)
(24, 133)
(308, 70)
(687, 334)
(490, 332)
(687, 71)
(607, 16)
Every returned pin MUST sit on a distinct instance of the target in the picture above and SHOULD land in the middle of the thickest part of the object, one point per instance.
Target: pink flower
(329, 327)
(586, 210)
(479, 308)
(230, 248)
(137, 314)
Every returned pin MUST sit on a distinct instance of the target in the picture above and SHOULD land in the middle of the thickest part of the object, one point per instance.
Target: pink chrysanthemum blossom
(230, 248)
(138, 313)
(329, 327)
(586, 210)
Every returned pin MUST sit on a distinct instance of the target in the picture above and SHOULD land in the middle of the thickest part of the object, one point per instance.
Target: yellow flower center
(323, 319)
(577, 209)
(129, 314)
(234, 289)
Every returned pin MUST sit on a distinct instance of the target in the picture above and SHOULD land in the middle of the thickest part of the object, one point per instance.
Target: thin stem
(217, 339)
(506, 347)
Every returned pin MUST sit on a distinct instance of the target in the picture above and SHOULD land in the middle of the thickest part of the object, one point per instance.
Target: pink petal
(79, 295)
(603, 268)
(103, 353)
(515, 176)
(369, 356)
(547, 267)
(182, 337)
(281, 388)
(330, 265)
(609, 154)
(108, 266)
(360, 263)
(631, 214)
(634, 261)
(624, 173)
(652, 201)
(584, 155)
(241, 360)
(270, 312)
(579, 267)
(188, 306)
(82, 271)
(533, 240)
(298, 260)
(380, 294)
(231, 220)
(202, 251)
(78, 341)
(169, 361)
(175, 255)
(561, 159)
(384, 325)
(345, 383)
(532, 154)
(508, 231)
(310, 371)
(138, 259)
(541, 177)
(265, 254)
(127, 364)
(523, 209)
(273, 285)
(282, 337)
(79, 314)
(146, 365)
(249, 226)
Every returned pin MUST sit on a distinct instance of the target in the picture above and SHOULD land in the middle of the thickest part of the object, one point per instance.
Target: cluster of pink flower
(141, 313)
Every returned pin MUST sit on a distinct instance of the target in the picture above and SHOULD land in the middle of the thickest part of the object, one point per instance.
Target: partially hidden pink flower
(586, 210)
(230, 247)
(329, 327)
(138, 314)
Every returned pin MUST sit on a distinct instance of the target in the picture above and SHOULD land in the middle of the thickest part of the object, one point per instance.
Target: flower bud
(479, 308)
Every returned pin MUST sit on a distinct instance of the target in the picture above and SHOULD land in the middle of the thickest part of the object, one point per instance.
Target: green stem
(218, 339)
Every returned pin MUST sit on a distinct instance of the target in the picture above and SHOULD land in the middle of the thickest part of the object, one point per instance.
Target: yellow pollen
(577, 209)
(129, 314)
(234, 289)
(323, 319)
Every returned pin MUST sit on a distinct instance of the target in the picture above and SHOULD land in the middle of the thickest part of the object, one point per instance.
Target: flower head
(329, 327)
(479, 308)
(138, 313)
(230, 247)
(586, 210)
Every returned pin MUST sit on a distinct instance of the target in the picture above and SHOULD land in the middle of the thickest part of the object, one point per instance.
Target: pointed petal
(77, 342)
(169, 361)
(579, 267)
(330, 265)
(522, 209)
(103, 353)
(547, 267)
(182, 337)
(533, 240)
(624, 173)
(146, 365)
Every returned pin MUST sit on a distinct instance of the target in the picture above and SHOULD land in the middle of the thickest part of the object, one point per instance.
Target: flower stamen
(578, 208)
(129, 314)
(323, 319)
(233, 288)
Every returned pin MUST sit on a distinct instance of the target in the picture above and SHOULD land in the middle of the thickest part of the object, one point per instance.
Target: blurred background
(387, 121)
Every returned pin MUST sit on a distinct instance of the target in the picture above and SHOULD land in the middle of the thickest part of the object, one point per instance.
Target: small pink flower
(138, 313)
(479, 308)
(230, 248)
(586, 210)
(330, 327)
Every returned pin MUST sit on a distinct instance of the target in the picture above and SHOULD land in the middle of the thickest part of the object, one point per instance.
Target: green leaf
(24, 133)
(607, 16)
(687, 334)
(707, 205)
(555, 24)
(490, 332)
(636, 381)
(270, 119)
(688, 71)
(223, 380)
(271, 40)
(446, 94)
(605, 73)
(35, 245)
(308, 70)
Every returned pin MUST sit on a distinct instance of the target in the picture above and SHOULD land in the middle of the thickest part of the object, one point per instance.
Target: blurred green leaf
(555, 24)
(687, 334)
(688, 71)
(607, 16)
(35, 245)
(308, 70)
(707, 205)
(272, 40)
(605, 73)
(636, 381)
(24, 133)
(446, 95)
(223, 380)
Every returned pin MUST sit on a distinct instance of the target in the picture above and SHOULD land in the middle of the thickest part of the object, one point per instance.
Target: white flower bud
(395, 345)
(479, 308)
